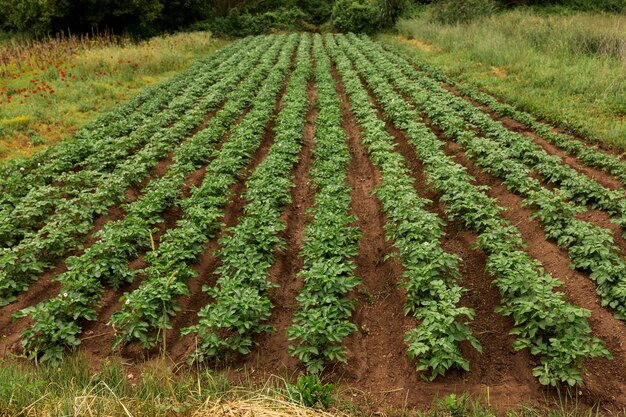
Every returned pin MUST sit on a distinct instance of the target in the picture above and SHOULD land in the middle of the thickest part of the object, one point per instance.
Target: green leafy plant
(72, 218)
(242, 303)
(106, 261)
(431, 274)
(322, 322)
(148, 310)
(310, 391)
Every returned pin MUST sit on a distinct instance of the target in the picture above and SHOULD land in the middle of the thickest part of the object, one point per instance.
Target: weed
(310, 391)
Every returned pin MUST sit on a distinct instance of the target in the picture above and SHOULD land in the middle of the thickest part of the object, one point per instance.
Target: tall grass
(72, 389)
(568, 68)
(49, 87)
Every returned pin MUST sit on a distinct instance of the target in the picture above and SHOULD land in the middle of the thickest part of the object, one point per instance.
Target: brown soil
(45, 287)
(607, 390)
(597, 217)
(100, 336)
(377, 361)
(177, 348)
(181, 348)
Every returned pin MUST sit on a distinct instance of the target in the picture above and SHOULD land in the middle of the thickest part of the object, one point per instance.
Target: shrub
(462, 11)
(243, 23)
(355, 16)
(390, 10)
(319, 11)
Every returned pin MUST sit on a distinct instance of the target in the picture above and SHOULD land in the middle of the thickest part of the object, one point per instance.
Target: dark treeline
(139, 17)
(236, 17)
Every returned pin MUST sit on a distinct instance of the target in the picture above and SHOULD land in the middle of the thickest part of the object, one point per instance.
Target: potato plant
(248, 106)
(107, 260)
(39, 251)
(148, 310)
(590, 247)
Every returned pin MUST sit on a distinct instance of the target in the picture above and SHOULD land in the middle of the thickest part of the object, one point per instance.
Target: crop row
(589, 246)
(323, 319)
(106, 261)
(24, 262)
(242, 303)
(554, 330)
(589, 154)
(147, 311)
(98, 169)
(430, 274)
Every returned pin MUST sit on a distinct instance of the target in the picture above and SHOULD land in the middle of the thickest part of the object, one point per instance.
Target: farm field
(318, 203)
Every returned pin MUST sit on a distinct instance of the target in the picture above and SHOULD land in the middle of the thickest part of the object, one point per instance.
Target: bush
(319, 11)
(390, 10)
(139, 17)
(355, 16)
(616, 6)
(238, 23)
(31, 15)
(462, 11)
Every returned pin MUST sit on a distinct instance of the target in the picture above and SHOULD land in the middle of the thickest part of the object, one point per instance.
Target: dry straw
(260, 405)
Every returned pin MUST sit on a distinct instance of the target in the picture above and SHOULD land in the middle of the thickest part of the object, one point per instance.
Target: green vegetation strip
(590, 247)
(323, 321)
(242, 303)
(148, 310)
(430, 274)
(106, 261)
(554, 330)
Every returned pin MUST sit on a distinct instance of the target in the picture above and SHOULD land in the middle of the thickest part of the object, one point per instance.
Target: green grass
(100, 73)
(72, 389)
(568, 69)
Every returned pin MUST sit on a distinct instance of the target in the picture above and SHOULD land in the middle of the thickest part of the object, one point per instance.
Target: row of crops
(211, 122)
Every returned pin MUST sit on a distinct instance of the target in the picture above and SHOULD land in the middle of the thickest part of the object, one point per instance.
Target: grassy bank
(162, 389)
(48, 88)
(569, 69)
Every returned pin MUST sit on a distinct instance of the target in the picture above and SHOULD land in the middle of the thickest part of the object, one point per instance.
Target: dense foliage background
(244, 17)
